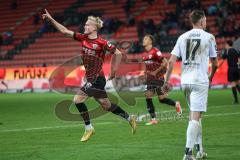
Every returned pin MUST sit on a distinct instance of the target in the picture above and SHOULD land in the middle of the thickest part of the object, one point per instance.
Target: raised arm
(58, 26)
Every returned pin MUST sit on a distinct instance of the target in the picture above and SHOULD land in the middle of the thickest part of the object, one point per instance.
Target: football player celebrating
(156, 66)
(93, 50)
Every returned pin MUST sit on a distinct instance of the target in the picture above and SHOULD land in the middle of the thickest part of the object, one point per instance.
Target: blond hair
(97, 21)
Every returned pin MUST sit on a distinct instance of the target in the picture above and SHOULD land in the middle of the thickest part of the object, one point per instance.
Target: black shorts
(155, 86)
(233, 74)
(96, 89)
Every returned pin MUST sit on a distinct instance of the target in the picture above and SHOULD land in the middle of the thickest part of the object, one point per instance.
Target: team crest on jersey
(95, 46)
(159, 53)
(109, 44)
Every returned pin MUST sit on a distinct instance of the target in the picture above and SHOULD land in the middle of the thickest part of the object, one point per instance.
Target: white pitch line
(220, 106)
(221, 114)
(103, 123)
(51, 127)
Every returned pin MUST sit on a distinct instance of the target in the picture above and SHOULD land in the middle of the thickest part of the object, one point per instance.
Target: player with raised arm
(156, 66)
(195, 47)
(93, 50)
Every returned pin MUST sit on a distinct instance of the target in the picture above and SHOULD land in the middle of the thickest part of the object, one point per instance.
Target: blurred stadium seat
(35, 42)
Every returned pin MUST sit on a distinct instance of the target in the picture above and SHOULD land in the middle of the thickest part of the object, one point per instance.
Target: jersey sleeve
(79, 36)
(158, 55)
(176, 50)
(212, 47)
(110, 47)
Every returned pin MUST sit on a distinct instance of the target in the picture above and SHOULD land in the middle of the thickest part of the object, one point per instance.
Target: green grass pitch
(30, 130)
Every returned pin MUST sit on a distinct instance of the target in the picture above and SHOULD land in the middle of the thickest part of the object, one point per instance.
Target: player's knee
(149, 94)
(233, 84)
(161, 98)
(106, 105)
(78, 99)
(195, 115)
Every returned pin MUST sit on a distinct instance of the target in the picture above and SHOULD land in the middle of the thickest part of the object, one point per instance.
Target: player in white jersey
(194, 48)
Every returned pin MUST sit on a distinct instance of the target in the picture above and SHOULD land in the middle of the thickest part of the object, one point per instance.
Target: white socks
(88, 127)
(199, 136)
(129, 119)
(192, 133)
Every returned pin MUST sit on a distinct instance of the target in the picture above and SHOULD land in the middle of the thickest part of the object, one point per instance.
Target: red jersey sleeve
(79, 36)
(110, 47)
(157, 54)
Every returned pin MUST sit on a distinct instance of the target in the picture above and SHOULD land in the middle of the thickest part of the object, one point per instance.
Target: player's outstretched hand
(46, 15)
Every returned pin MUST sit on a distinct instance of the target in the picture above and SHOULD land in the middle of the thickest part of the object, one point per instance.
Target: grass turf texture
(29, 130)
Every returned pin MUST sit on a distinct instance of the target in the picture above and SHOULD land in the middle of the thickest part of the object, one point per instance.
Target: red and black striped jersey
(153, 60)
(93, 54)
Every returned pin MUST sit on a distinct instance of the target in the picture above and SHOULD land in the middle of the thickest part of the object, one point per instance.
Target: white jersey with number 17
(195, 47)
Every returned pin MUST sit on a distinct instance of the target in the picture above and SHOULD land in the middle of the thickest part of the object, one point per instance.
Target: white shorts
(196, 96)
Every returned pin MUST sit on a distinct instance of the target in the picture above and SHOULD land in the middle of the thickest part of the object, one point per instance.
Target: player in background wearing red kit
(156, 66)
(93, 50)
